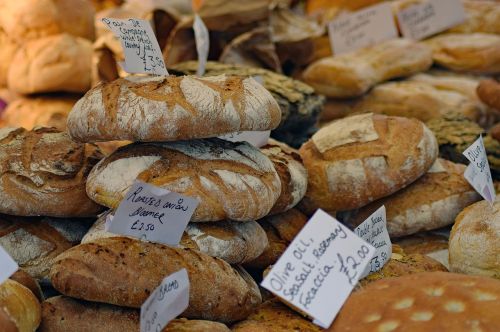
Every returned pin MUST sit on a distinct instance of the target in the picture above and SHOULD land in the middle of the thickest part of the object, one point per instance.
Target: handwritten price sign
(478, 172)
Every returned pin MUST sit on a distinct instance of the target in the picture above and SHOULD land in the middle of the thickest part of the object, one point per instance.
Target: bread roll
(489, 92)
(43, 172)
(430, 301)
(19, 308)
(474, 240)
(172, 108)
(352, 74)
(230, 180)
(431, 202)
(358, 159)
(29, 282)
(124, 271)
(474, 53)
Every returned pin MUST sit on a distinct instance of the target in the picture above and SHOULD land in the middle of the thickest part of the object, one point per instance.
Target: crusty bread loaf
(124, 271)
(43, 172)
(29, 282)
(55, 63)
(431, 202)
(426, 243)
(482, 16)
(351, 75)
(172, 108)
(356, 160)
(489, 92)
(18, 306)
(474, 240)
(429, 301)
(474, 53)
(7, 52)
(230, 180)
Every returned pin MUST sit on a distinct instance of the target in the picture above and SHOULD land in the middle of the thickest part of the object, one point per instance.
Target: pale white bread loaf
(51, 64)
(43, 173)
(230, 180)
(359, 159)
(474, 241)
(352, 74)
(7, 52)
(20, 310)
(172, 108)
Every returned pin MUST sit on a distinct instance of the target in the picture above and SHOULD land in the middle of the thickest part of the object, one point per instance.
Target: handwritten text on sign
(168, 300)
(363, 28)
(140, 47)
(152, 213)
(320, 268)
(478, 172)
(7, 265)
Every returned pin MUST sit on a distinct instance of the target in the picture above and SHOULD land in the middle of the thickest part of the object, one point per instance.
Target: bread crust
(489, 92)
(20, 305)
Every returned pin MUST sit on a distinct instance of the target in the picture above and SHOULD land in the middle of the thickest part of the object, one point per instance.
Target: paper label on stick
(362, 28)
(374, 231)
(202, 39)
(140, 46)
(478, 172)
(153, 214)
(422, 20)
(320, 268)
(168, 301)
(256, 138)
(7, 265)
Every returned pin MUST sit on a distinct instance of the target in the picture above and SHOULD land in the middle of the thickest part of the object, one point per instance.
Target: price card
(141, 49)
(422, 20)
(202, 39)
(168, 300)
(478, 172)
(7, 264)
(374, 231)
(153, 214)
(256, 138)
(320, 268)
(362, 28)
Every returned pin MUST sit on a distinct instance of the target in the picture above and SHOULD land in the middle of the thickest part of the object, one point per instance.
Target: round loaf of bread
(43, 173)
(474, 241)
(489, 92)
(232, 181)
(19, 308)
(172, 108)
(356, 160)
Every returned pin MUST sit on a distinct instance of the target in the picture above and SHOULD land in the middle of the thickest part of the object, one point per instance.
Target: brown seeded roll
(358, 159)
(172, 108)
(20, 310)
(124, 272)
(430, 301)
(233, 181)
(29, 282)
(474, 240)
(43, 172)
(431, 202)
(489, 92)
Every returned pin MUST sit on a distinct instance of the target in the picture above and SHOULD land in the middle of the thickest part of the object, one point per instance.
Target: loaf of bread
(20, 310)
(356, 160)
(474, 239)
(482, 16)
(431, 202)
(230, 180)
(172, 108)
(426, 243)
(29, 282)
(489, 92)
(124, 272)
(7, 52)
(51, 64)
(352, 74)
(429, 301)
(43, 172)
(474, 53)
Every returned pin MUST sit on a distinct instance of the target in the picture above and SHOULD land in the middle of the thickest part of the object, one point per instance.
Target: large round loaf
(172, 108)
(43, 172)
(230, 180)
(356, 160)
(124, 272)
(19, 309)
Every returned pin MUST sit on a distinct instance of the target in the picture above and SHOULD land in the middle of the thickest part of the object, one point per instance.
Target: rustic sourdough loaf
(489, 92)
(172, 108)
(43, 172)
(19, 309)
(230, 180)
(124, 272)
(356, 160)
(426, 243)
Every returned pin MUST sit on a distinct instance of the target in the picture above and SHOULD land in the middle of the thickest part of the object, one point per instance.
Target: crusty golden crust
(20, 305)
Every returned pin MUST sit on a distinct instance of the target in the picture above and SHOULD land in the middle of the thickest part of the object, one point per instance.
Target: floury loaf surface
(172, 108)
(230, 180)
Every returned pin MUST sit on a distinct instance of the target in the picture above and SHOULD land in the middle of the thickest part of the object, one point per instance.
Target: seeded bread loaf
(19, 309)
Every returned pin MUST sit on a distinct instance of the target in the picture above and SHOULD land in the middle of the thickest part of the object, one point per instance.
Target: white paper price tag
(320, 268)
(168, 301)
(202, 39)
(478, 172)
(374, 231)
(141, 49)
(256, 138)
(363, 28)
(7, 265)
(422, 20)
(154, 214)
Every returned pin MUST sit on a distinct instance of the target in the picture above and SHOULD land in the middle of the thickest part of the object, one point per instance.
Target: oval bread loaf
(232, 181)
(19, 308)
